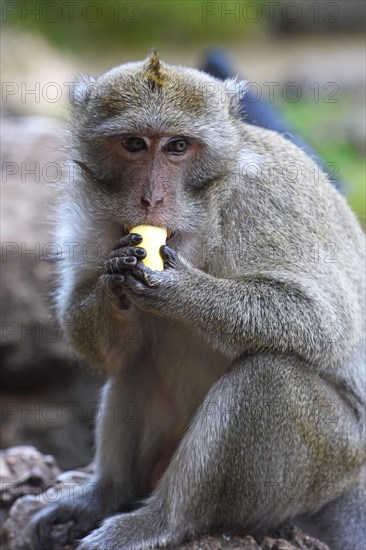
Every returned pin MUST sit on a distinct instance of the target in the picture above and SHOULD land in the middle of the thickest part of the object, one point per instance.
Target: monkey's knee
(313, 436)
(270, 441)
(342, 522)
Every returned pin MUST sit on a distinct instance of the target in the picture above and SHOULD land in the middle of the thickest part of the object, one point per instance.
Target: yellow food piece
(152, 239)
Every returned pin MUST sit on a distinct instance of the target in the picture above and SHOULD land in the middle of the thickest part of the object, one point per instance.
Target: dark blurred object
(318, 17)
(258, 111)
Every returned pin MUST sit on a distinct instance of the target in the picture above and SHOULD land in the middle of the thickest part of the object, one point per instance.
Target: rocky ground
(30, 480)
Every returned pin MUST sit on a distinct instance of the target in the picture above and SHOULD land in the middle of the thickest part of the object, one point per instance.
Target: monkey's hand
(123, 258)
(154, 291)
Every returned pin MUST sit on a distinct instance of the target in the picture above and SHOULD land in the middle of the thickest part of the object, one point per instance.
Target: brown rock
(215, 543)
(47, 399)
(33, 481)
(24, 470)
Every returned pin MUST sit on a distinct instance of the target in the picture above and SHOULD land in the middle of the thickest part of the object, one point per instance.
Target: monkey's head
(151, 139)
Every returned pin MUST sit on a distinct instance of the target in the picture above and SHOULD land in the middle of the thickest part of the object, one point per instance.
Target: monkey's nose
(149, 202)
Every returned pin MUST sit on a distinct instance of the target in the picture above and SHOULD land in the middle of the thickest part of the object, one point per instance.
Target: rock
(215, 543)
(291, 538)
(46, 398)
(295, 540)
(14, 532)
(24, 470)
(28, 341)
(31, 481)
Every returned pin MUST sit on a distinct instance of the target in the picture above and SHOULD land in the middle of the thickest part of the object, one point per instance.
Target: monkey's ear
(81, 90)
(236, 90)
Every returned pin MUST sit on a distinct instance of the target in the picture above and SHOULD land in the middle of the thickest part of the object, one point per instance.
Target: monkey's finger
(145, 274)
(170, 257)
(128, 240)
(134, 284)
(115, 283)
(137, 251)
(115, 280)
(116, 265)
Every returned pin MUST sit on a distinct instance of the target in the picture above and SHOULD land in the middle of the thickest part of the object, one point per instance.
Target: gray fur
(244, 359)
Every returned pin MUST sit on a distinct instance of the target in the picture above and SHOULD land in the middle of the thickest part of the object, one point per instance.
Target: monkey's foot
(77, 521)
(135, 531)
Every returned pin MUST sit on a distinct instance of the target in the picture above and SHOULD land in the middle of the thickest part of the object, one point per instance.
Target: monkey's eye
(176, 146)
(134, 144)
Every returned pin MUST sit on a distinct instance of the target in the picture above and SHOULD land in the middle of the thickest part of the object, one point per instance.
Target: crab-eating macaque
(235, 398)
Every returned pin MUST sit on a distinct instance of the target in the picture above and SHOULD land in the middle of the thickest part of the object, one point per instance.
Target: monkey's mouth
(170, 232)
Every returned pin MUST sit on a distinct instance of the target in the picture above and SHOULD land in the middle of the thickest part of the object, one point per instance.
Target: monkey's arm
(96, 326)
(99, 321)
(255, 312)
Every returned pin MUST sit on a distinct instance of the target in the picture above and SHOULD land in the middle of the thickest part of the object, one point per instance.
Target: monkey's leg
(342, 523)
(119, 478)
(271, 441)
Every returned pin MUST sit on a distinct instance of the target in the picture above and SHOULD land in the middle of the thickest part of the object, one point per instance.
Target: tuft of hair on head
(152, 70)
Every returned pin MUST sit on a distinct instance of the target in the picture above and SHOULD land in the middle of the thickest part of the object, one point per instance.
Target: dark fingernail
(129, 260)
(136, 238)
(140, 252)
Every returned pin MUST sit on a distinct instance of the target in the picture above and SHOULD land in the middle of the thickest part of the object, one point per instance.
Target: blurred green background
(311, 43)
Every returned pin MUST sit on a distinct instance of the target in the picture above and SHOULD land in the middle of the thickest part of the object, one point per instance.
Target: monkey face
(152, 138)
